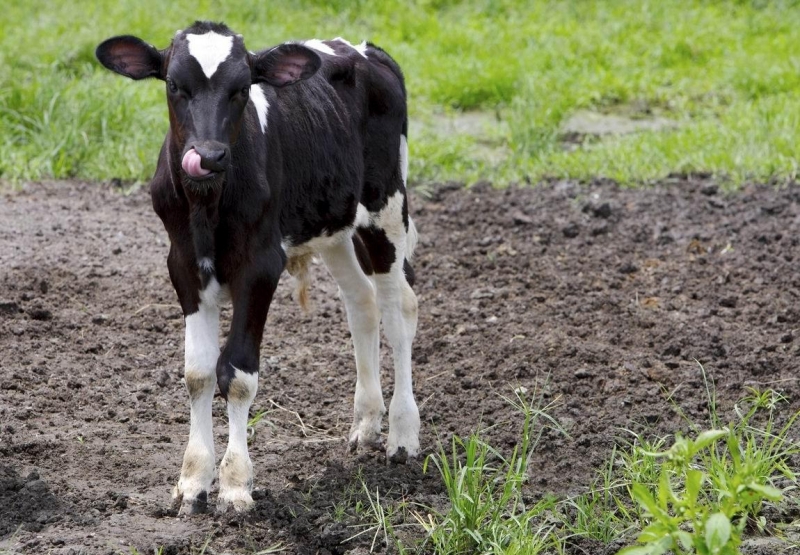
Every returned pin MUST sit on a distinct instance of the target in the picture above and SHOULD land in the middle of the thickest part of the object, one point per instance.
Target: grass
(699, 493)
(489, 512)
(725, 73)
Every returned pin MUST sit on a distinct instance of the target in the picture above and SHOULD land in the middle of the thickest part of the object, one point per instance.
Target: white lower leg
(368, 408)
(201, 353)
(399, 310)
(363, 319)
(236, 470)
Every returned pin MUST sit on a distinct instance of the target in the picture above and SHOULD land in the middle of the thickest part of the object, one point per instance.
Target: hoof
(401, 452)
(372, 444)
(398, 457)
(190, 505)
(235, 500)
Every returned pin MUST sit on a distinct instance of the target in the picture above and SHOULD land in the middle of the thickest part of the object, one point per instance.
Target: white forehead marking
(210, 50)
(261, 104)
(360, 48)
(320, 46)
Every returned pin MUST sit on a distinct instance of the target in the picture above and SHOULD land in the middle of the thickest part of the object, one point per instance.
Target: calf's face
(209, 74)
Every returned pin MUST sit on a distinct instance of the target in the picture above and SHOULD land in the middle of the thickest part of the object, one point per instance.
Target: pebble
(41, 314)
(8, 307)
(571, 231)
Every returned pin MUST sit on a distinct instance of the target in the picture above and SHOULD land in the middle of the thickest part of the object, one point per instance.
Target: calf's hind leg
(387, 246)
(363, 319)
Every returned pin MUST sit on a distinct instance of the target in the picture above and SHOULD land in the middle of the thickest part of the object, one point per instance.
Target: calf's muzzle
(203, 159)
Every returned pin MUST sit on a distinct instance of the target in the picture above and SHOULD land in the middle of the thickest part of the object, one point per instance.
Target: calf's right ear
(132, 57)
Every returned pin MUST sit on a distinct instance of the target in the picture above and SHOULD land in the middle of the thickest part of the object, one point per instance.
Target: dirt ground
(603, 299)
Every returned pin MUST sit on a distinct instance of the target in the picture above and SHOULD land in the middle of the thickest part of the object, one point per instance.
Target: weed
(254, 420)
(488, 511)
(711, 487)
(380, 520)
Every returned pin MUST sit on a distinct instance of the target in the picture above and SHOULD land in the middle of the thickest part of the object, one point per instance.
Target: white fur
(320, 46)
(360, 48)
(261, 104)
(404, 158)
(212, 294)
(398, 305)
(390, 217)
(206, 264)
(201, 352)
(316, 244)
(363, 319)
(210, 50)
(362, 216)
(236, 470)
(411, 239)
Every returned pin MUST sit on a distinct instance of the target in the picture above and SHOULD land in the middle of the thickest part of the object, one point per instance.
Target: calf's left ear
(285, 64)
(131, 56)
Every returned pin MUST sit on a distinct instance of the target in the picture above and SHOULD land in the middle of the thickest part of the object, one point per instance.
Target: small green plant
(600, 513)
(488, 511)
(251, 424)
(711, 487)
(381, 520)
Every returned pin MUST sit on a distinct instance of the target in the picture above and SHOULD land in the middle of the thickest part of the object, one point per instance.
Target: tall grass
(725, 72)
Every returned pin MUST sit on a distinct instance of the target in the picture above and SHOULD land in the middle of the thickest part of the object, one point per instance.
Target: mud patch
(25, 502)
(602, 298)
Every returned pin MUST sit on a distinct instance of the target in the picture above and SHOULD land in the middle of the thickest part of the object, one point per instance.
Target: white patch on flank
(316, 244)
(206, 264)
(210, 50)
(261, 104)
(360, 48)
(236, 470)
(404, 158)
(390, 217)
(411, 239)
(320, 46)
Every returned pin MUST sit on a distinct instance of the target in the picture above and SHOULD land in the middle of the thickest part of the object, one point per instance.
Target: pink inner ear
(287, 73)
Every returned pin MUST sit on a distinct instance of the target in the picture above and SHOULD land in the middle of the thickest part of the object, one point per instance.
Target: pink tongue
(191, 164)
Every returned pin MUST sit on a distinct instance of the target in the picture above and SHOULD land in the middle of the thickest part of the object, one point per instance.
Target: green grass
(488, 510)
(726, 72)
(696, 493)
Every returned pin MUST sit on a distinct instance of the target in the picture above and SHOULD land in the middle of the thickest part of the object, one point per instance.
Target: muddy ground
(603, 299)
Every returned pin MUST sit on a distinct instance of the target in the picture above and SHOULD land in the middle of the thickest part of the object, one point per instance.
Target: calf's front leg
(201, 313)
(237, 374)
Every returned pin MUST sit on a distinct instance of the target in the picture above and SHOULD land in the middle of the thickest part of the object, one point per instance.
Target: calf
(273, 157)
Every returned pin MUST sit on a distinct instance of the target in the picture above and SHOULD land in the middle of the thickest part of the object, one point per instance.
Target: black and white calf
(272, 157)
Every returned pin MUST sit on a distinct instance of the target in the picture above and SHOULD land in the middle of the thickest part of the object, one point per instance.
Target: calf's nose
(212, 157)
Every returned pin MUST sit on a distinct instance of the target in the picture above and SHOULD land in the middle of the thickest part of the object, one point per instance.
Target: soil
(604, 301)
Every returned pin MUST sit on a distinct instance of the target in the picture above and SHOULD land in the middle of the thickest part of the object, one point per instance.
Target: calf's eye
(173, 88)
(245, 91)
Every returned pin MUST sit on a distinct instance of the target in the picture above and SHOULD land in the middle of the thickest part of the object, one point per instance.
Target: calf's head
(209, 74)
